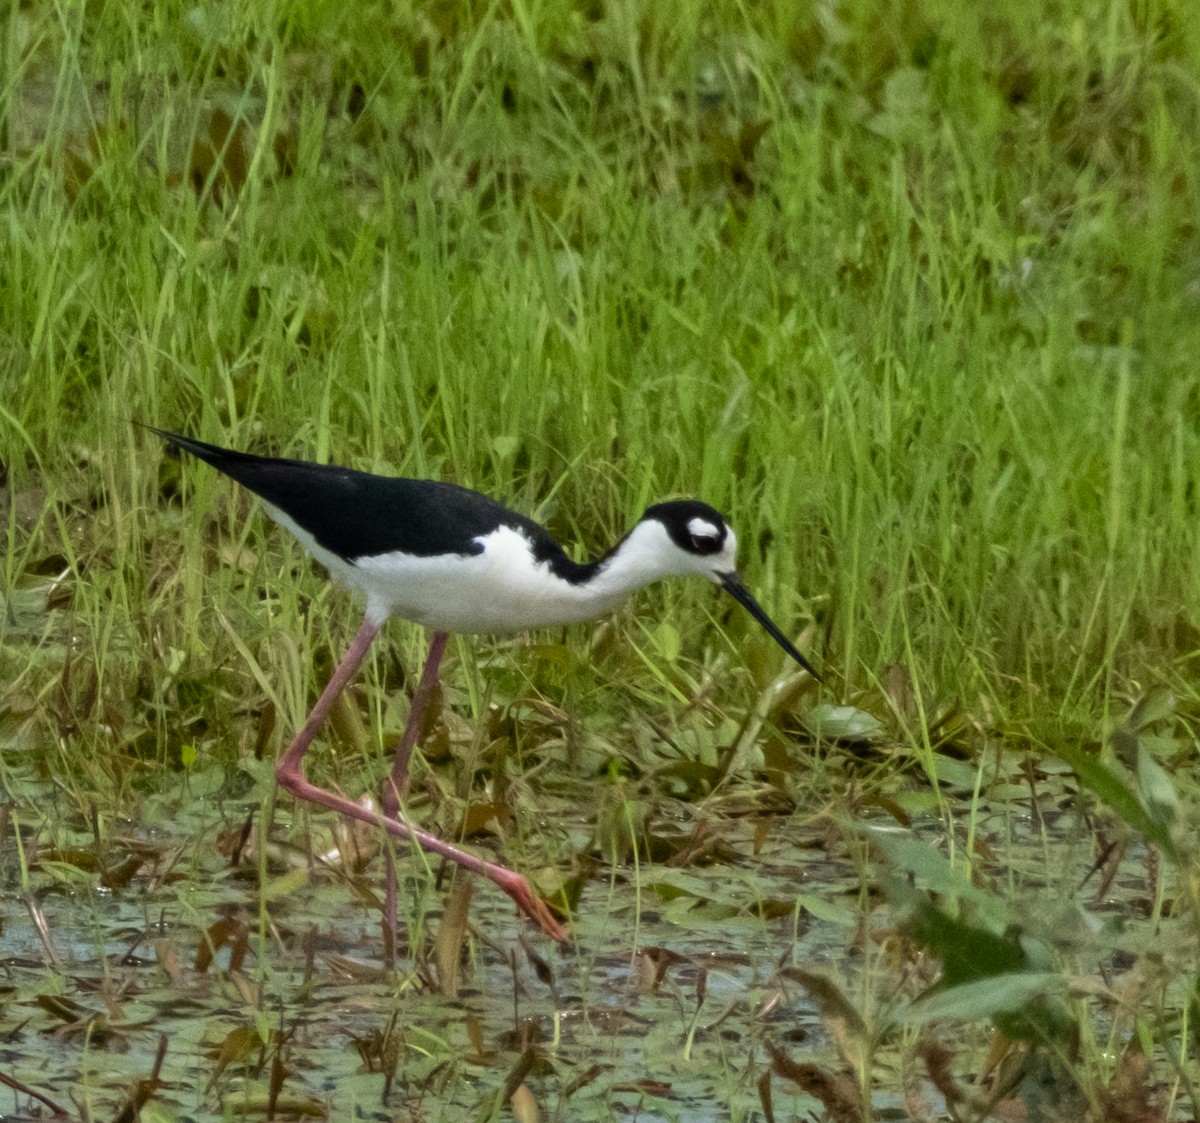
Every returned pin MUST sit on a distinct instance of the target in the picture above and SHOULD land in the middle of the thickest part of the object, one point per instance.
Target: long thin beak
(734, 586)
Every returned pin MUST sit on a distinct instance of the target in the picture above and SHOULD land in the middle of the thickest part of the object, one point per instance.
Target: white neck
(644, 556)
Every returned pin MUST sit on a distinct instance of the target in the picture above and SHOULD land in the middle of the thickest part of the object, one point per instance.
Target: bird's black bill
(732, 584)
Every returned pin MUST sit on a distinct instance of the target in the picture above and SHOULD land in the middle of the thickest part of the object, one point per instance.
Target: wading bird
(454, 560)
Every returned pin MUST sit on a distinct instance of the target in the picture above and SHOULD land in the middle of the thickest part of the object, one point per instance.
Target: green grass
(939, 355)
(912, 293)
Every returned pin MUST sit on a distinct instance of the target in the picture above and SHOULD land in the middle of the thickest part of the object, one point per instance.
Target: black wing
(356, 514)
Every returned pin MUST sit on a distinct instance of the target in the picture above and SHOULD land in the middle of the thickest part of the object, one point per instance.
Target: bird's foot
(530, 903)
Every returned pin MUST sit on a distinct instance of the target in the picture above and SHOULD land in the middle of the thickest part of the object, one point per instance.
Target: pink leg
(393, 786)
(289, 775)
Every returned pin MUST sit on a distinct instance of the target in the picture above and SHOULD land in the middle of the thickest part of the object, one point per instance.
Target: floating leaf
(280, 888)
(519, 1071)
(959, 774)
(670, 883)
(247, 1105)
(844, 723)
(828, 911)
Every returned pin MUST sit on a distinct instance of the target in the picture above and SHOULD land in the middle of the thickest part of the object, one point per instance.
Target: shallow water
(608, 1037)
(128, 956)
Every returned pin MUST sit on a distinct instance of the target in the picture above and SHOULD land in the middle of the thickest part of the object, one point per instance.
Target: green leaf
(671, 883)
(1157, 792)
(290, 883)
(966, 951)
(844, 723)
(666, 636)
(1112, 790)
(1153, 706)
(828, 911)
(985, 998)
(933, 871)
(961, 774)
(505, 445)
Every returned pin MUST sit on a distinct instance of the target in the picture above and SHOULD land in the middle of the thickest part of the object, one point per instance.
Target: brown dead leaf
(266, 726)
(65, 1009)
(237, 1046)
(899, 693)
(647, 1087)
(228, 931)
(285, 147)
(233, 842)
(524, 1105)
(888, 805)
(584, 1079)
(452, 936)
(937, 1058)
(229, 143)
(279, 1073)
(142, 1090)
(167, 955)
(479, 1050)
(653, 964)
(837, 1091)
(516, 1077)
(1129, 1097)
(831, 1002)
(481, 817)
(764, 1096)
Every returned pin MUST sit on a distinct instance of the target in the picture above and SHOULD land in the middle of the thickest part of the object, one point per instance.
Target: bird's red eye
(705, 543)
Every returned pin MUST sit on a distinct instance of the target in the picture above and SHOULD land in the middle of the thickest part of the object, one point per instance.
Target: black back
(356, 514)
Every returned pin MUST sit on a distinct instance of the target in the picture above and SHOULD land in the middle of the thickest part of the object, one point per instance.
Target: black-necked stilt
(456, 561)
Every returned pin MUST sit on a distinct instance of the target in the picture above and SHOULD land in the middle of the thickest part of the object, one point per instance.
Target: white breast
(502, 589)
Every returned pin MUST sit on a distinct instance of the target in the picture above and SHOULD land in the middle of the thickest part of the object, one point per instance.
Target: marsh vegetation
(911, 292)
